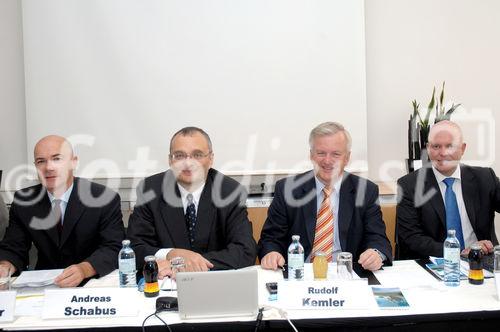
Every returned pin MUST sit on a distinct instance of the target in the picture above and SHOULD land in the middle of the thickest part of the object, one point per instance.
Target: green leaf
(452, 109)
(415, 107)
(430, 106)
(441, 97)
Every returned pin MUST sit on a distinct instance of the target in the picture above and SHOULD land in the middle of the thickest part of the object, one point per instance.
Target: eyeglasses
(179, 156)
(323, 154)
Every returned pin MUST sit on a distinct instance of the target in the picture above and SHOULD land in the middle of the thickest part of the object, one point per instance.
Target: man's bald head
(450, 127)
(55, 141)
(55, 162)
(446, 146)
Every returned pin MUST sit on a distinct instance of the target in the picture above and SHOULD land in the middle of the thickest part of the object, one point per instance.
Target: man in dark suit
(4, 219)
(349, 202)
(75, 224)
(422, 222)
(192, 211)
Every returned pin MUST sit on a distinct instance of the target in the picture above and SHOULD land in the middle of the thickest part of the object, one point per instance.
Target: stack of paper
(38, 278)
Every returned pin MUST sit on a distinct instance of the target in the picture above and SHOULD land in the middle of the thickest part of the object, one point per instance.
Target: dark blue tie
(452, 213)
(190, 218)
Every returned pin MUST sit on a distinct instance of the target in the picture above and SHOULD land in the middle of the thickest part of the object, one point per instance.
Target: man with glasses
(446, 195)
(192, 211)
(331, 209)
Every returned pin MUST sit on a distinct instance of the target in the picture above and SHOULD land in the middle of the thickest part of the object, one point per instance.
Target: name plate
(90, 303)
(7, 306)
(335, 294)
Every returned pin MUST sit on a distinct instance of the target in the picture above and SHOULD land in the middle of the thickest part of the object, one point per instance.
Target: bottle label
(126, 265)
(452, 255)
(296, 260)
(151, 287)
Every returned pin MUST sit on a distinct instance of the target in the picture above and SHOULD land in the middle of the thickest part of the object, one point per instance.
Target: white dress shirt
(64, 201)
(468, 232)
(163, 252)
(334, 204)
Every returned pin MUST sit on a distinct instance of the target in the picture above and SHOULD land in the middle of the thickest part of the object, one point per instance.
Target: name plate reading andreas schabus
(90, 303)
(335, 294)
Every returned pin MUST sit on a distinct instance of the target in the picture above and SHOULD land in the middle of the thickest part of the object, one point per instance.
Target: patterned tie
(452, 213)
(57, 212)
(190, 218)
(323, 237)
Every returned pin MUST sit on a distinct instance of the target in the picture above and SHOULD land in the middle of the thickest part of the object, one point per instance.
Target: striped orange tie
(323, 237)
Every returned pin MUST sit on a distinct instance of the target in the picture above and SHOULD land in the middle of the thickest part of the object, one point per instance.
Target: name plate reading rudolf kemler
(90, 303)
(7, 306)
(335, 294)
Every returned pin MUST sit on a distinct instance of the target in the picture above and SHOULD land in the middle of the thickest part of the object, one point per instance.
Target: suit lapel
(43, 211)
(205, 216)
(309, 211)
(172, 212)
(470, 194)
(346, 207)
(74, 211)
(437, 199)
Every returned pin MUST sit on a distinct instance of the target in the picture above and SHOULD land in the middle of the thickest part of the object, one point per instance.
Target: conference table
(433, 306)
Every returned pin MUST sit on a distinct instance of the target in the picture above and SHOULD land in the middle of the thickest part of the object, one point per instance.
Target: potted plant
(419, 126)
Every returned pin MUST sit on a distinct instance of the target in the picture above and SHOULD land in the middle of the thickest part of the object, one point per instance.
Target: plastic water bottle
(295, 259)
(126, 265)
(451, 253)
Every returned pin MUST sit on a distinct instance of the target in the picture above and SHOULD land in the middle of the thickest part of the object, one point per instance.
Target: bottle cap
(150, 258)
(476, 246)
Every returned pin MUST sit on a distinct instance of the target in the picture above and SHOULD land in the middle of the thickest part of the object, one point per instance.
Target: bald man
(422, 221)
(75, 224)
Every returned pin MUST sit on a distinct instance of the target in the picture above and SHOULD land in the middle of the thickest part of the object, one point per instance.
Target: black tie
(58, 215)
(190, 218)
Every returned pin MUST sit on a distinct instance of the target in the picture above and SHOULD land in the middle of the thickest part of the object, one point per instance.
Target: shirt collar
(64, 197)
(196, 194)
(440, 177)
(336, 186)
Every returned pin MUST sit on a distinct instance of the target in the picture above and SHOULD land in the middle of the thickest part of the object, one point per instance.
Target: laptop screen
(217, 293)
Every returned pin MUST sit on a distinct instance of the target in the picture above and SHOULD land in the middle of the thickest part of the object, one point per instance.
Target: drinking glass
(177, 264)
(496, 269)
(496, 252)
(344, 265)
(320, 265)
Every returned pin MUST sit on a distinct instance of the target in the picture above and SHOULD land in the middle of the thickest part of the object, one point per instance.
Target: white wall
(257, 75)
(413, 45)
(410, 47)
(12, 107)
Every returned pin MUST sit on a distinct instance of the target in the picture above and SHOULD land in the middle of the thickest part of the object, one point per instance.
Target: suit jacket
(93, 229)
(421, 223)
(294, 209)
(4, 219)
(223, 232)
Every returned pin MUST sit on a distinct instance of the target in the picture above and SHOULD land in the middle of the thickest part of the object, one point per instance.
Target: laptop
(217, 293)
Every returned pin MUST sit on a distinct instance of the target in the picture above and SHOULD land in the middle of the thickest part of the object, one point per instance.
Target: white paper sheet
(37, 278)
